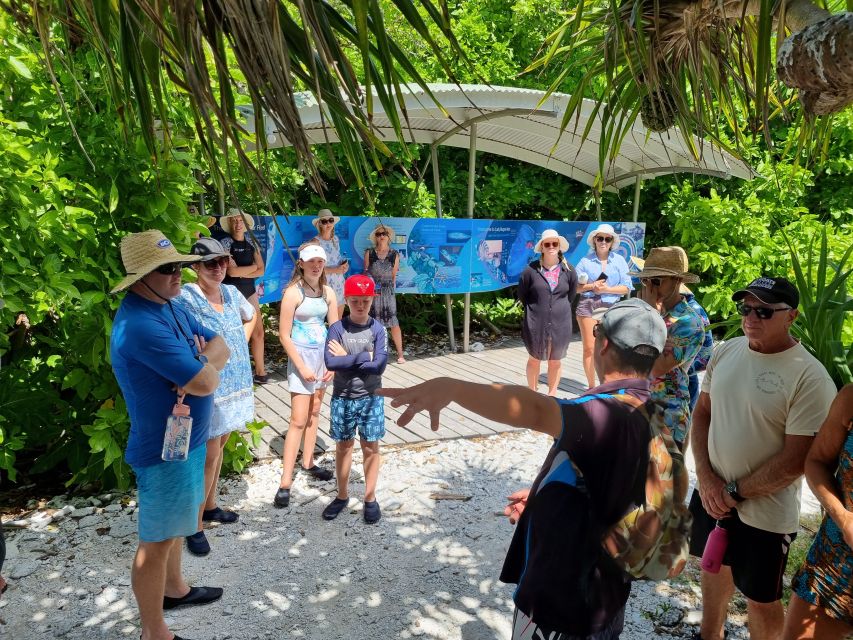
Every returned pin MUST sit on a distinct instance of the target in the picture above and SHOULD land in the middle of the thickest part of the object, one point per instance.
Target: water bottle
(715, 549)
(176, 441)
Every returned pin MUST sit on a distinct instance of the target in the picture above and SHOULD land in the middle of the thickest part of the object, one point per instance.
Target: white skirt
(313, 359)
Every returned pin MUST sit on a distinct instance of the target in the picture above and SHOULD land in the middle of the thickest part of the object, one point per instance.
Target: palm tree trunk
(818, 60)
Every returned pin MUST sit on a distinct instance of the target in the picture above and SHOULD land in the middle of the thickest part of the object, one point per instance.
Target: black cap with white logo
(770, 291)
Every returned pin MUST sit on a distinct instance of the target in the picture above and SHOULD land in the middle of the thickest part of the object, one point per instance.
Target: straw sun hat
(380, 226)
(606, 229)
(664, 262)
(324, 213)
(225, 221)
(549, 234)
(142, 253)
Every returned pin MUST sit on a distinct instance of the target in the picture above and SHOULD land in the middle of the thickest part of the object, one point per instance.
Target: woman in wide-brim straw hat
(603, 279)
(247, 264)
(664, 272)
(382, 264)
(546, 289)
(337, 263)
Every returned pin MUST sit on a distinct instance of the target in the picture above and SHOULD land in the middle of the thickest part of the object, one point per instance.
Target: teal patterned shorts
(367, 415)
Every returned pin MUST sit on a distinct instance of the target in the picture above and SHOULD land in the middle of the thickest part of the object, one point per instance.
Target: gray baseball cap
(633, 323)
(209, 249)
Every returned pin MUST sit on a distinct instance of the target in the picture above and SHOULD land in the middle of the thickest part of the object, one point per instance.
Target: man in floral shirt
(700, 363)
(664, 271)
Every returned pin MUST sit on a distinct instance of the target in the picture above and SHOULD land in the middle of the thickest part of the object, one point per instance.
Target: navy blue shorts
(365, 415)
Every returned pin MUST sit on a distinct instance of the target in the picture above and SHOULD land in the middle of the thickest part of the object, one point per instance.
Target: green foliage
(238, 450)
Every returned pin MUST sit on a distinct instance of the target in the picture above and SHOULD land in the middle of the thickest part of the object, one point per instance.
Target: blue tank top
(309, 322)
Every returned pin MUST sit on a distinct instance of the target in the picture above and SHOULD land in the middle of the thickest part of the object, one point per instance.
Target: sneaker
(319, 472)
(334, 508)
(261, 379)
(197, 544)
(372, 512)
(282, 498)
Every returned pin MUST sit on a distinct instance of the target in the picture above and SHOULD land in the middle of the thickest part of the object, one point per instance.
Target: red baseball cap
(359, 285)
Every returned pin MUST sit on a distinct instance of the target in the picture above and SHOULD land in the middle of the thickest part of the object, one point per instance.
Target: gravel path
(428, 569)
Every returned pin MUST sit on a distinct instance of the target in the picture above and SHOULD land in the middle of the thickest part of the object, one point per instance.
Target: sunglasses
(603, 239)
(170, 269)
(655, 282)
(379, 234)
(550, 245)
(764, 313)
(327, 220)
(219, 263)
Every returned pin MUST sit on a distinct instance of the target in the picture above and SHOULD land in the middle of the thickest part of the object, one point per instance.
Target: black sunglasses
(380, 233)
(170, 269)
(603, 239)
(655, 282)
(764, 313)
(213, 264)
(327, 220)
(550, 245)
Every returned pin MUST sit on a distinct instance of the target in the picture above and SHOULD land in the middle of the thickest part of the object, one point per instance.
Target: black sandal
(320, 473)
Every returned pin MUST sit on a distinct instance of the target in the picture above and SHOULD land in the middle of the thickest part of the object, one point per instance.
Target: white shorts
(313, 359)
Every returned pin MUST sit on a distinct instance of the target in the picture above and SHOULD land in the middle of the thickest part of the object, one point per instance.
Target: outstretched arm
(513, 405)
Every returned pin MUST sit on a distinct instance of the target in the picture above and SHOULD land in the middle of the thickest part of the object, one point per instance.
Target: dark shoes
(219, 515)
(372, 512)
(282, 498)
(197, 544)
(260, 379)
(319, 472)
(334, 508)
(196, 596)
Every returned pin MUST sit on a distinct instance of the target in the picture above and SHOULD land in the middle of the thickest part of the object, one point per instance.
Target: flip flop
(195, 596)
(218, 514)
(401, 360)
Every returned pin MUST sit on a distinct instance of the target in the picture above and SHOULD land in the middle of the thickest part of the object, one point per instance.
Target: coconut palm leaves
(704, 65)
(221, 53)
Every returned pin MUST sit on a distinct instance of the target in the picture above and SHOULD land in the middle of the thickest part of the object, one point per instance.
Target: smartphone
(602, 276)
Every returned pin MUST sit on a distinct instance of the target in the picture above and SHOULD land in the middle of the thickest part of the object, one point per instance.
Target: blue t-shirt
(616, 272)
(150, 355)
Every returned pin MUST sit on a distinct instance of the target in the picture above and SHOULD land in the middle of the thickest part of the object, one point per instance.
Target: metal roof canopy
(526, 125)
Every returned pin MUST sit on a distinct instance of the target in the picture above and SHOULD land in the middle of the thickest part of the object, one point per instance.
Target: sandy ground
(428, 569)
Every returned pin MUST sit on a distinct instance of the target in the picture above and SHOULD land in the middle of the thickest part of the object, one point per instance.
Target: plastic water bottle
(715, 549)
(176, 441)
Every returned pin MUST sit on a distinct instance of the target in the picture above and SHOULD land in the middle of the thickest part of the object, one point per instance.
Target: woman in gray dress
(382, 263)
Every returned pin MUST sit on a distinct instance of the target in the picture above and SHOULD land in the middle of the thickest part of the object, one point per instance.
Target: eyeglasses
(170, 269)
(379, 234)
(603, 239)
(550, 245)
(327, 221)
(655, 282)
(219, 263)
(764, 313)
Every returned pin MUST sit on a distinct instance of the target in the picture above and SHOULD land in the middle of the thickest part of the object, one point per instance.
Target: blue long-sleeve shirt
(357, 374)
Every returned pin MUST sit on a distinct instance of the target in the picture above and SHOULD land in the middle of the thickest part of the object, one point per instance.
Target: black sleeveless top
(244, 255)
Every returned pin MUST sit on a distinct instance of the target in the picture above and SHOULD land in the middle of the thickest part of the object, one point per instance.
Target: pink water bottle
(715, 549)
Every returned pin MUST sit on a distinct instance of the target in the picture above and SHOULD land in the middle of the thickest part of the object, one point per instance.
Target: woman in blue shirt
(602, 279)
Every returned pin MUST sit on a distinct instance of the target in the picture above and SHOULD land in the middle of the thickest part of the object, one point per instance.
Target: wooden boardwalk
(502, 364)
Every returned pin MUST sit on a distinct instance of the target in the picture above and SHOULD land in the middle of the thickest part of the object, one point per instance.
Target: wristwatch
(731, 489)
(201, 358)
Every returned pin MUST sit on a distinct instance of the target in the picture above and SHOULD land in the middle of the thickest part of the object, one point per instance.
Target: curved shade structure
(511, 122)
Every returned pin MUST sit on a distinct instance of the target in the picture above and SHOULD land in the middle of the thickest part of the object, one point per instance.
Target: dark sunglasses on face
(327, 220)
(379, 234)
(550, 245)
(655, 282)
(213, 264)
(603, 239)
(764, 313)
(170, 268)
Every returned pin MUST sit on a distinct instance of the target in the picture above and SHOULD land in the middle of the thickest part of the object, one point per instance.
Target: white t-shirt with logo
(756, 400)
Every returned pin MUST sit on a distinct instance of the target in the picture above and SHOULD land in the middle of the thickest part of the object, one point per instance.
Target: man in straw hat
(161, 355)
(663, 273)
(763, 399)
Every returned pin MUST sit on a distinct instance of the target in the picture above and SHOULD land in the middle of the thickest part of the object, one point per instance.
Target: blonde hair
(299, 273)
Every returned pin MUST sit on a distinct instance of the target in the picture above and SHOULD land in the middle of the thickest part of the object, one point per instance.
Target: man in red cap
(357, 351)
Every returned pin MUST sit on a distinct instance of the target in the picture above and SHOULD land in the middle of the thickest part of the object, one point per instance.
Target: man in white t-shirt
(763, 399)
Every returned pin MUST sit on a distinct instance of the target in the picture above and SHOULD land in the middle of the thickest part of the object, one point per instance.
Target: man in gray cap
(593, 475)
(763, 400)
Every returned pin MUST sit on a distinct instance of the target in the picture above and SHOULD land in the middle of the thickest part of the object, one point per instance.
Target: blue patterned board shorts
(169, 497)
(366, 414)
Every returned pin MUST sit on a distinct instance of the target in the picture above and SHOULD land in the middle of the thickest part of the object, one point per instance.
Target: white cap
(312, 251)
